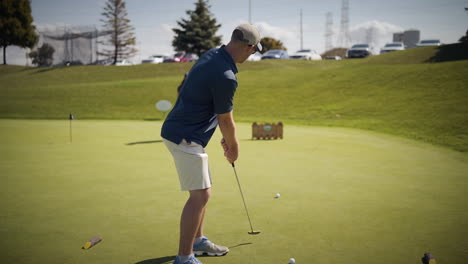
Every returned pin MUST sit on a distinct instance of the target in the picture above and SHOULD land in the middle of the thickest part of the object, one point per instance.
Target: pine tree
(16, 26)
(121, 37)
(197, 34)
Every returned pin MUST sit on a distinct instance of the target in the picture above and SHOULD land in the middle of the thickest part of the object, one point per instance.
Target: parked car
(359, 51)
(395, 46)
(104, 62)
(333, 58)
(189, 57)
(429, 42)
(255, 57)
(123, 63)
(154, 59)
(306, 54)
(176, 58)
(275, 54)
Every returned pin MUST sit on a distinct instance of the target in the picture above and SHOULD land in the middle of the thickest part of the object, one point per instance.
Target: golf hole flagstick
(251, 232)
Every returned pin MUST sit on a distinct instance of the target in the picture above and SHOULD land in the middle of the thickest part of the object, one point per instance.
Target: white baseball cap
(249, 34)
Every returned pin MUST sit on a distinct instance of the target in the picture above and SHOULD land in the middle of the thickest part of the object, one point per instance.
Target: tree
(271, 43)
(198, 33)
(121, 37)
(464, 39)
(16, 26)
(44, 56)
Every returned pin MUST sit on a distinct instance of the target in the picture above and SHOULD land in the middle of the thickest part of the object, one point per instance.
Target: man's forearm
(228, 130)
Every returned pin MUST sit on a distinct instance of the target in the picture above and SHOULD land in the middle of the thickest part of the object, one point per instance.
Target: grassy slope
(394, 93)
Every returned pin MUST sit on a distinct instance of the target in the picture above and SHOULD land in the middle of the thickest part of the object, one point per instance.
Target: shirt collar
(228, 58)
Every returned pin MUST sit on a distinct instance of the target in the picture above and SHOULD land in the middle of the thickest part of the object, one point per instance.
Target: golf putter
(251, 232)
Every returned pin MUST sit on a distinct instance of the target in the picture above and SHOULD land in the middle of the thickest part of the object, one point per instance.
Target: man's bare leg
(191, 219)
(200, 228)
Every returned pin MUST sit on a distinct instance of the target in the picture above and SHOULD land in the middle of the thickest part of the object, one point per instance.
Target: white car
(154, 59)
(255, 57)
(333, 57)
(395, 46)
(306, 54)
(429, 42)
(123, 63)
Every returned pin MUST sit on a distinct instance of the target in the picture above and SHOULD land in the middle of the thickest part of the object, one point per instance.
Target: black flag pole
(71, 118)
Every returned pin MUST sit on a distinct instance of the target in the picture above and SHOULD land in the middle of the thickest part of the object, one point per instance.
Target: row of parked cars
(356, 51)
(178, 57)
(364, 50)
(304, 54)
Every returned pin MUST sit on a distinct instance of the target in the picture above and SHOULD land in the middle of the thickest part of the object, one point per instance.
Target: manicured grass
(395, 93)
(347, 196)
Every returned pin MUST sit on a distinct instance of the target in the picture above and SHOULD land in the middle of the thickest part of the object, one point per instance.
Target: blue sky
(153, 19)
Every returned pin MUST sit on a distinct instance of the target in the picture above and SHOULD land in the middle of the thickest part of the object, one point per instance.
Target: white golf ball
(277, 195)
(292, 261)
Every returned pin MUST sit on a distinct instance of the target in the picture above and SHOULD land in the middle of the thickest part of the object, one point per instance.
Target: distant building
(410, 37)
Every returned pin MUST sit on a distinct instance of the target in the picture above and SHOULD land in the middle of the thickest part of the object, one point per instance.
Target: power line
(344, 37)
(328, 31)
(302, 42)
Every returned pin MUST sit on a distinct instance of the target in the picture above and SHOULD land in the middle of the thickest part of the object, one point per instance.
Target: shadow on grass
(143, 142)
(45, 69)
(242, 244)
(170, 259)
(259, 140)
(160, 260)
(450, 52)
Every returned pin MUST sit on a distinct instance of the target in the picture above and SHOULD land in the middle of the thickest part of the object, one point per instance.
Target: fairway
(347, 196)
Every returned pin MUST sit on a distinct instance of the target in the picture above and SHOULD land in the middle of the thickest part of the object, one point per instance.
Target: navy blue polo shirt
(207, 91)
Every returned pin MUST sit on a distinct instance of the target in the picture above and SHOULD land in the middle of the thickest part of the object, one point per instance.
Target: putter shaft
(243, 200)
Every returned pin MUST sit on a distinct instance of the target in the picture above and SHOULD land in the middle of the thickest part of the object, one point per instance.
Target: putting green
(347, 196)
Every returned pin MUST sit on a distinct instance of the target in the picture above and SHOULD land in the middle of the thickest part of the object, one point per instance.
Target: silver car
(389, 47)
(275, 54)
(359, 51)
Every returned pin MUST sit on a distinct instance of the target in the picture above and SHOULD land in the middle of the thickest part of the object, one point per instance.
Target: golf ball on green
(292, 261)
(277, 195)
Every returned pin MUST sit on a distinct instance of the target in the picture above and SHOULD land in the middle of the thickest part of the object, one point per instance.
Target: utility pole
(344, 37)
(302, 39)
(250, 11)
(328, 31)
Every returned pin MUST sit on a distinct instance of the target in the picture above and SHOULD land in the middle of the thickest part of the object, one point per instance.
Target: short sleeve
(223, 93)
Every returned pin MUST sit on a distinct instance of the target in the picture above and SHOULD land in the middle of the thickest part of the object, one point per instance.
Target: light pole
(250, 11)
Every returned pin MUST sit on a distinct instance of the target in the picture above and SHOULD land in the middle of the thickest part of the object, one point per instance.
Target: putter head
(254, 232)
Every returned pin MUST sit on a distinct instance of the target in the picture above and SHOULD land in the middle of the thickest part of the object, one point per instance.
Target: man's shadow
(144, 142)
(170, 259)
(160, 260)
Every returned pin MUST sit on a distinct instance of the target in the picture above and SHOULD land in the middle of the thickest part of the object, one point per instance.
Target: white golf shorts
(191, 162)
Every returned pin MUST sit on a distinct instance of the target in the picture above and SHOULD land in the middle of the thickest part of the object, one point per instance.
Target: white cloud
(154, 40)
(284, 34)
(376, 33)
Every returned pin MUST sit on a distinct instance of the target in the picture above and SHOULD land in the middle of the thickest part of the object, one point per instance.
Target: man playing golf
(205, 101)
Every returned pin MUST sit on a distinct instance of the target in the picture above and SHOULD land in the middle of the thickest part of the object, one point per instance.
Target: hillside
(397, 93)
